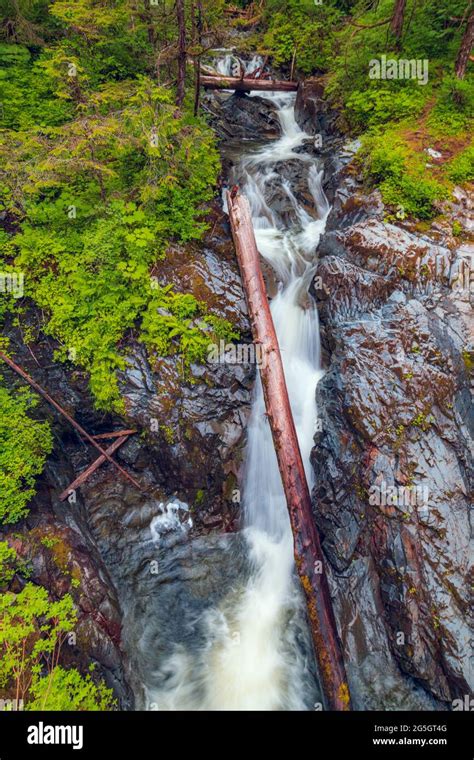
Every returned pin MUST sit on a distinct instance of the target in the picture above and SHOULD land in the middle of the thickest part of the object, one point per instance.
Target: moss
(361, 491)
(76, 576)
(48, 541)
(343, 694)
(61, 554)
(422, 421)
(168, 433)
(468, 359)
(57, 546)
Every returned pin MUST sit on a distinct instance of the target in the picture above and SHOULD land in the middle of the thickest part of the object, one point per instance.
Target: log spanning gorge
(257, 653)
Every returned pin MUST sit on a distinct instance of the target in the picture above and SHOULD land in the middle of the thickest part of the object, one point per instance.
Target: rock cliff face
(393, 460)
(193, 423)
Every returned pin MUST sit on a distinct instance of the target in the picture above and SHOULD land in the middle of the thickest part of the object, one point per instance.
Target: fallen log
(85, 474)
(113, 434)
(307, 548)
(247, 84)
(65, 414)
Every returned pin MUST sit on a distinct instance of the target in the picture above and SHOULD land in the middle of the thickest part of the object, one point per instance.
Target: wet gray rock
(242, 117)
(167, 576)
(193, 420)
(312, 111)
(393, 461)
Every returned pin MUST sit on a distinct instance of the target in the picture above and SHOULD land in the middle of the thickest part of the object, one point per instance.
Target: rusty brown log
(65, 414)
(113, 434)
(307, 547)
(247, 84)
(81, 479)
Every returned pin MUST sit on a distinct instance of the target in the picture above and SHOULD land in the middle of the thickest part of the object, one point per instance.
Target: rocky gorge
(394, 412)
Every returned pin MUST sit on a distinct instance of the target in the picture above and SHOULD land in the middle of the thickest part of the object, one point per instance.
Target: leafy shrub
(67, 690)
(26, 94)
(25, 446)
(372, 107)
(461, 168)
(454, 107)
(401, 175)
(302, 25)
(89, 270)
(415, 194)
(33, 630)
(176, 322)
(7, 563)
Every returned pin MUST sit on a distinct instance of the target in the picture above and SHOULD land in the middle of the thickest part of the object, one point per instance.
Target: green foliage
(178, 322)
(300, 25)
(25, 444)
(99, 174)
(108, 40)
(461, 168)
(32, 631)
(68, 690)
(7, 563)
(379, 105)
(454, 107)
(400, 174)
(26, 94)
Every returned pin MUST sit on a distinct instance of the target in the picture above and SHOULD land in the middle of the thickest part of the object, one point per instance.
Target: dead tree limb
(307, 548)
(85, 474)
(114, 434)
(70, 419)
(246, 84)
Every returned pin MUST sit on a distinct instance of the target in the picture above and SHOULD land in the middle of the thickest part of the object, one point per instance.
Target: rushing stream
(253, 658)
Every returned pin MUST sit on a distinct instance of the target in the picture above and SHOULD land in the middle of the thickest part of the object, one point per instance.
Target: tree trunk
(180, 17)
(307, 548)
(246, 84)
(197, 60)
(465, 48)
(398, 18)
(150, 27)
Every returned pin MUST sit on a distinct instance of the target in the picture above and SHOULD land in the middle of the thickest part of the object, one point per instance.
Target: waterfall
(252, 659)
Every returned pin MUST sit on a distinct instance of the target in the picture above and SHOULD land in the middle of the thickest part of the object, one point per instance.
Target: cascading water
(253, 659)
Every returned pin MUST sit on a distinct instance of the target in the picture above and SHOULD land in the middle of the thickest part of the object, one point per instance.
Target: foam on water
(252, 659)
